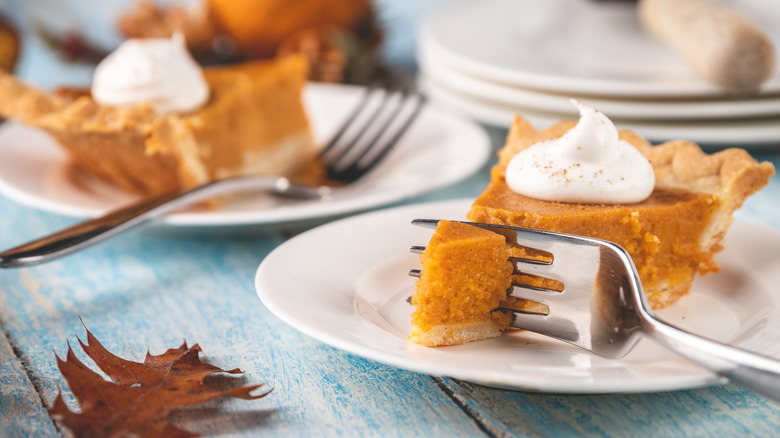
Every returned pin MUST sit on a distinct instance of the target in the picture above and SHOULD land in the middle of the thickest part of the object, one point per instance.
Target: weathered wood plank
(714, 411)
(154, 288)
(22, 412)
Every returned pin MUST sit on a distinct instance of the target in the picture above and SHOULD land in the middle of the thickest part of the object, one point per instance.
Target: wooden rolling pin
(720, 42)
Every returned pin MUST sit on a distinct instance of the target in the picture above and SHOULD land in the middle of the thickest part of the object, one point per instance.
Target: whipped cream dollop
(588, 164)
(158, 71)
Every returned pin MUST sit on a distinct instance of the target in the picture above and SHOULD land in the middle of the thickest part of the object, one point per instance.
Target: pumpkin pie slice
(253, 123)
(671, 236)
(465, 275)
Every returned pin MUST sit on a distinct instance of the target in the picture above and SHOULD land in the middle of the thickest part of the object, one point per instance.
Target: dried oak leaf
(140, 397)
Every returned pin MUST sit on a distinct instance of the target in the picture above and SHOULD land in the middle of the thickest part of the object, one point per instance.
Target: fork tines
(376, 124)
(533, 280)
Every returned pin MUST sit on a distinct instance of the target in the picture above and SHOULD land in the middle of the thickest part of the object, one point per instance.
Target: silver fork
(367, 136)
(602, 307)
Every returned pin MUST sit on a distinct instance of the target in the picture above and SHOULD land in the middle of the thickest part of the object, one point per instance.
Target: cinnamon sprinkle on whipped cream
(589, 164)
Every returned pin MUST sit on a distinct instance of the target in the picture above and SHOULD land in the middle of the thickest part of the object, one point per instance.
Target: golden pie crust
(253, 123)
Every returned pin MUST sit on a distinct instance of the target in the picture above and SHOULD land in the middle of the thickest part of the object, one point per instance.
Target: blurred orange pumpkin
(257, 27)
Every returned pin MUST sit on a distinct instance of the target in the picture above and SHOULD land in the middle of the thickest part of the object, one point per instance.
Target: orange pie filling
(661, 246)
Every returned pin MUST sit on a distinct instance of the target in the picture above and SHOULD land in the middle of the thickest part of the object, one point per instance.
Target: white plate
(354, 299)
(573, 46)
(629, 108)
(439, 149)
(753, 133)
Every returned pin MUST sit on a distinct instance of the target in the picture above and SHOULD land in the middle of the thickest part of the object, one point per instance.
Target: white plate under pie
(439, 149)
(354, 299)
(572, 46)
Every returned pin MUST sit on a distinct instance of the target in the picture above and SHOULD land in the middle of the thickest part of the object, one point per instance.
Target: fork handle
(754, 371)
(92, 231)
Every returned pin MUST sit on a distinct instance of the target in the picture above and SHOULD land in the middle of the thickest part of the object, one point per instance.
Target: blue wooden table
(153, 287)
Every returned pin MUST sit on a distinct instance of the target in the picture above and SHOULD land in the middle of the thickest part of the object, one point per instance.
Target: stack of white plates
(492, 59)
